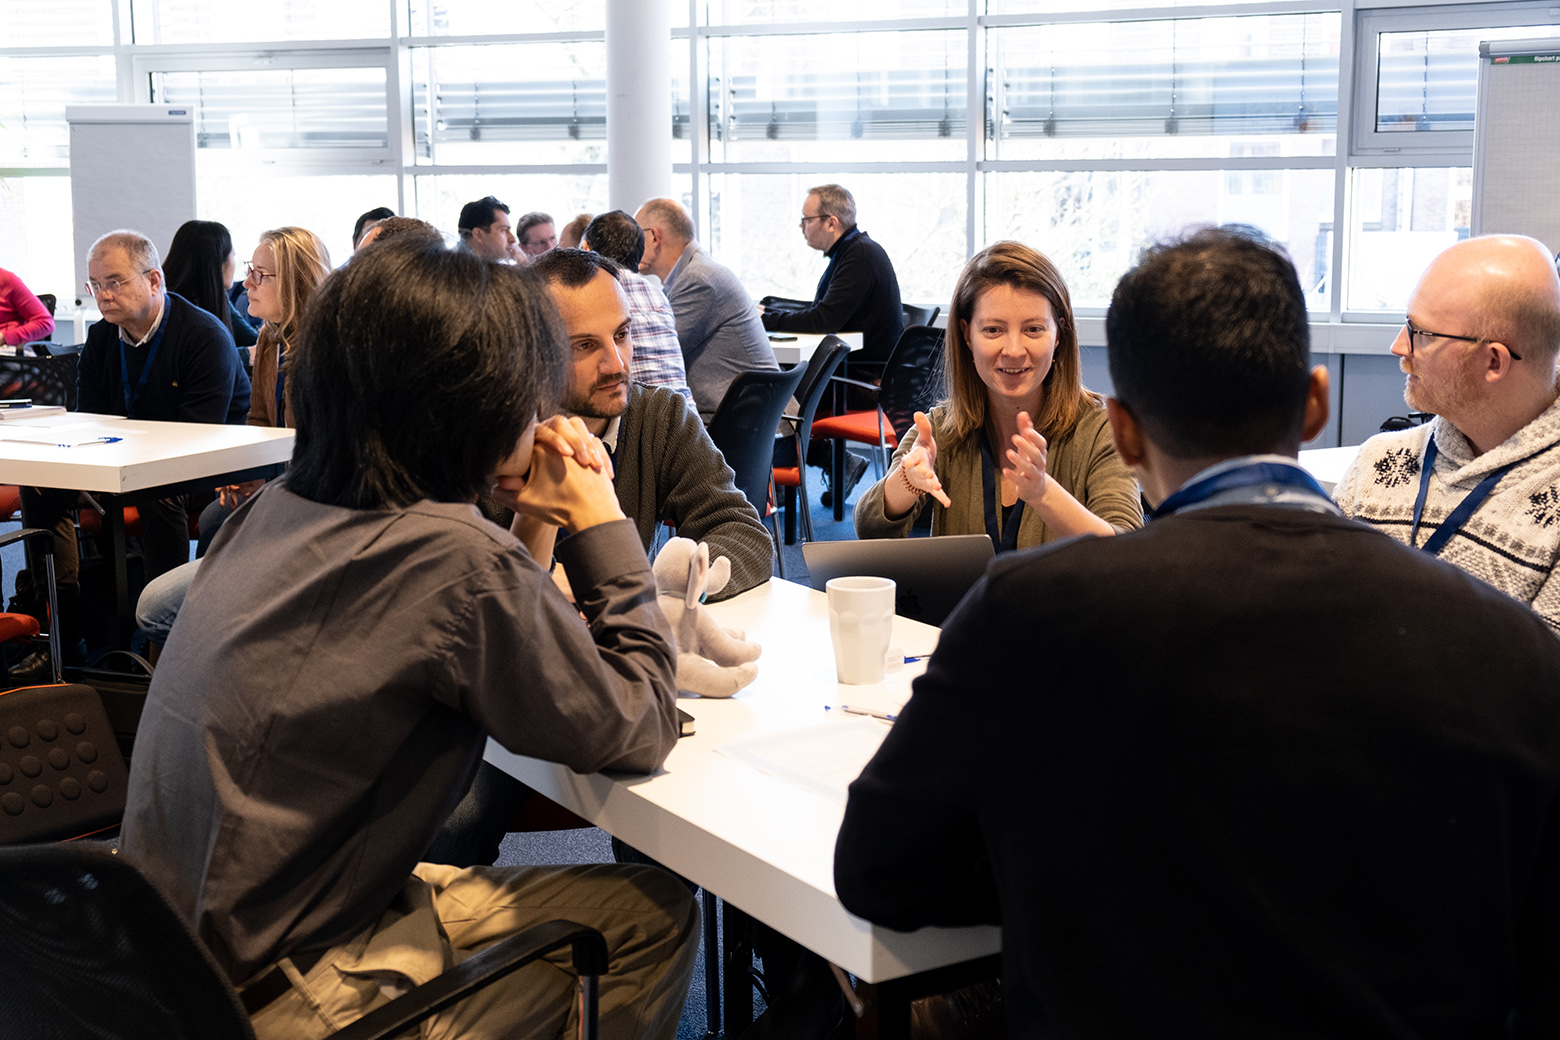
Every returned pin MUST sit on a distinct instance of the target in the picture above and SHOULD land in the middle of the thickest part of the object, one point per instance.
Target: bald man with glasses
(1479, 485)
(154, 355)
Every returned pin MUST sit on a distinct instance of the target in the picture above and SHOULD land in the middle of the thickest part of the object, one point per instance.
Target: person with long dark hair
(200, 266)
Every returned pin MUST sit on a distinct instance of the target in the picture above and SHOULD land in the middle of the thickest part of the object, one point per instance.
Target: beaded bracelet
(917, 492)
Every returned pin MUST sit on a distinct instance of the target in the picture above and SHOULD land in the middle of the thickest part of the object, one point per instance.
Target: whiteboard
(131, 166)
(1516, 141)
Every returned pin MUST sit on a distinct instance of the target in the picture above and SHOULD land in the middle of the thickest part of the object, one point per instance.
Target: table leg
(738, 989)
(124, 610)
(837, 477)
(887, 1014)
(712, 956)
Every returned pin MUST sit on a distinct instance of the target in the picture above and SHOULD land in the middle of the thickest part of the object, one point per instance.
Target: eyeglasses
(1424, 337)
(805, 219)
(258, 274)
(111, 287)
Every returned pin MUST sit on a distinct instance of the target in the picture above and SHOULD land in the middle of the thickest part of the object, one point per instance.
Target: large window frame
(1357, 144)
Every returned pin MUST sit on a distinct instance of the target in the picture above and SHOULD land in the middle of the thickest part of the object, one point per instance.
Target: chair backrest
(743, 428)
(61, 773)
(47, 380)
(93, 949)
(826, 359)
(915, 315)
(48, 301)
(912, 378)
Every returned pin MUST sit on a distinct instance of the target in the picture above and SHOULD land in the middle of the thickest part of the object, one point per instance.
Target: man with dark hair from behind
(376, 214)
(396, 227)
(357, 632)
(658, 358)
(1257, 769)
(667, 470)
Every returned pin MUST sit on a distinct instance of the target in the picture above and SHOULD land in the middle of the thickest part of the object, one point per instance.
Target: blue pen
(96, 440)
(851, 709)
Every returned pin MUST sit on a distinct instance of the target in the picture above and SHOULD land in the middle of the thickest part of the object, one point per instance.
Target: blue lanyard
(1459, 516)
(281, 385)
(133, 399)
(1005, 538)
(1240, 476)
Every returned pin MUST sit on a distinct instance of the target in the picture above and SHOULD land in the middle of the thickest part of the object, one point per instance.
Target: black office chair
(826, 360)
(910, 381)
(93, 950)
(916, 315)
(743, 428)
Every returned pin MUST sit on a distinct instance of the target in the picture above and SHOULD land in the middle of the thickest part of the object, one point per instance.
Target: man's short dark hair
(1209, 344)
(533, 219)
(572, 268)
(377, 213)
(479, 214)
(616, 235)
(397, 227)
(418, 368)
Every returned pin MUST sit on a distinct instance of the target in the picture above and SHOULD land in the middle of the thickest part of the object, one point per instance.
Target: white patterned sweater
(1512, 540)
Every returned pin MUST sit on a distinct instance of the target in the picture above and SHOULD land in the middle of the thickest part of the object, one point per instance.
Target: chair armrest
(492, 964)
(855, 382)
(43, 538)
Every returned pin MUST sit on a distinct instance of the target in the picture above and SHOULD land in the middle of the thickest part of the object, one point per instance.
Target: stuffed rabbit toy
(711, 661)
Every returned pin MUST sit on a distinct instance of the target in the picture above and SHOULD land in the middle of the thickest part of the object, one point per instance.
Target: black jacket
(857, 293)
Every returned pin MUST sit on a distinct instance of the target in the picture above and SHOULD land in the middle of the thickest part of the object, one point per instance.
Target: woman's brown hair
(1020, 267)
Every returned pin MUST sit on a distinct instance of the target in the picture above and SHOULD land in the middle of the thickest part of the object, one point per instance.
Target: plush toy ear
(698, 571)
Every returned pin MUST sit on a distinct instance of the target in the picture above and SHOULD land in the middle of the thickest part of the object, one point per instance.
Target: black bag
(121, 680)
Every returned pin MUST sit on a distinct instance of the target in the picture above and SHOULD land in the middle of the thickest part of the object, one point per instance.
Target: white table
(1327, 465)
(796, 348)
(762, 843)
(150, 460)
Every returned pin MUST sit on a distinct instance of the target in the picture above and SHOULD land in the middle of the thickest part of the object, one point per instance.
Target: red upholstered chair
(910, 380)
(17, 628)
(825, 362)
(10, 502)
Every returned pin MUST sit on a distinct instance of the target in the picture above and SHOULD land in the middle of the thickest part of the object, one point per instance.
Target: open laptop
(931, 575)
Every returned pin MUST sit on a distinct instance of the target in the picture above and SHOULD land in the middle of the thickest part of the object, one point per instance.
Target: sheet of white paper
(823, 759)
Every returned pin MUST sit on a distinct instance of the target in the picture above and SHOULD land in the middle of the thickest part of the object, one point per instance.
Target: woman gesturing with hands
(1018, 450)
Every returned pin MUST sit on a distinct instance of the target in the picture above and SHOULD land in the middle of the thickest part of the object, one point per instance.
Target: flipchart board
(1516, 141)
(131, 166)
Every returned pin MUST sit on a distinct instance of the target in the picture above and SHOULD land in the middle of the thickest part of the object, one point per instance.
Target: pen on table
(78, 444)
(851, 709)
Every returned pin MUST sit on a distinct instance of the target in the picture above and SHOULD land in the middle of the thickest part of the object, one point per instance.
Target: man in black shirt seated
(154, 355)
(357, 632)
(1254, 770)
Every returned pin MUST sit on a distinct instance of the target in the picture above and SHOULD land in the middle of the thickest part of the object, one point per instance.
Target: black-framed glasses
(1424, 336)
(803, 223)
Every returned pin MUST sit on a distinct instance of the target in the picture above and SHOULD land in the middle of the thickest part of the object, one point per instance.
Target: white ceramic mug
(861, 622)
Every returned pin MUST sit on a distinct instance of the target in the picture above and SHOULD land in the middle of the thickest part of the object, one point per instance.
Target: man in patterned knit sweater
(1478, 486)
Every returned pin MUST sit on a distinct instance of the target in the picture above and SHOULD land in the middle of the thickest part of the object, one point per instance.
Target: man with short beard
(666, 471)
(1478, 486)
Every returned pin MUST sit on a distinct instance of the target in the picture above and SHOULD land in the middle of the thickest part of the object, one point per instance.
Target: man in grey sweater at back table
(718, 324)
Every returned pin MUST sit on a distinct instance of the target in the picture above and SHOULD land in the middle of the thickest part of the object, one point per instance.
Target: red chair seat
(10, 502)
(92, 523)
(788, 476)
(861, 427)
(17, 626)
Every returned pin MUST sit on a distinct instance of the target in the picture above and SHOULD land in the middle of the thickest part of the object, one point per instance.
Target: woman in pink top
(23, 317)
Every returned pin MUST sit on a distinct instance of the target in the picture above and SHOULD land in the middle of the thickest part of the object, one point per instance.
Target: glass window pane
(1401, 219)
(1428, 81)
(918, 218)
(479, 17)
(1167, 88)
(326, 205)
(845, 97)
(76, 23)
(510, 103)
(36, 227)
(33, 96)
(439, 198)
(1094, 225)
(1069, 6)
(282, 108)
(202, 21)
(746, 12)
